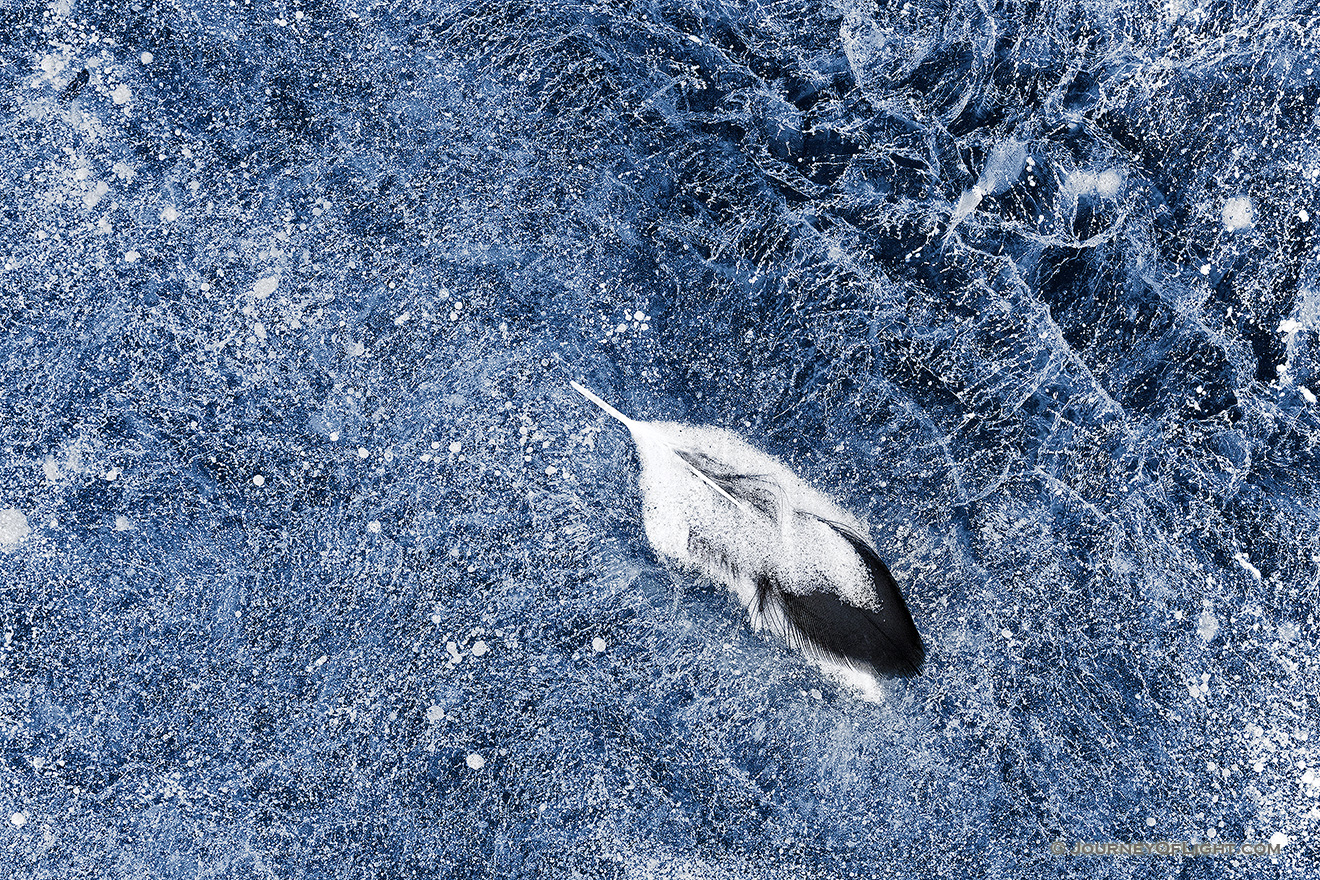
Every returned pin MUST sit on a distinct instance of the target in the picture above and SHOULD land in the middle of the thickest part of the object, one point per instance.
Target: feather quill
(803, 567)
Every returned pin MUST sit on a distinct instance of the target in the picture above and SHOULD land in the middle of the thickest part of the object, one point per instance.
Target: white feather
(802, 566)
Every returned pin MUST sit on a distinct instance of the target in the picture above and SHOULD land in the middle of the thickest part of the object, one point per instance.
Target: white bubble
(147, 57)
(456, 447)
(334, 436)
(435, 713)
(1238, 214)
(363, 452)
(475, 761)
(258, 480)
(13, 527)
(479, 648)
(265, 287)
(131, 256)
(1108, 183)
(18, 820)
(598, 644)
(121, 95)
(374, 527)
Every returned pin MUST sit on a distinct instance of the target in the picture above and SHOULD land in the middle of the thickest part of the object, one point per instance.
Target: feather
(802, 566)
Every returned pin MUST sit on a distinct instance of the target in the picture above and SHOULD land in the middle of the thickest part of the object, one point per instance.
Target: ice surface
(1085, 417)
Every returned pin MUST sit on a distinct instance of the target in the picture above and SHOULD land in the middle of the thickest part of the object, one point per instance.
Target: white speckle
(1306, 393)
(169, 214)
(639, 316)
(265, 287)
(131, 256)
(550, 470)
(1289, 327)
(122, 524)
(479, 648)
(259, 330)
(334, 436)
(1309, 778)
(475, 761)
(452, 649)
(18, 820)
(435, 713)
(598, 645)
(436, 618)
(1207, 626)
(374, 527)
(258, 480)
(363, 452)
(93, 198)
(147, 57)
(1238, 214)
(1279, 839)
(455, 447)
(1205, 270)
(1303, 216)
(355, 349)
(121, 95)
(320, 661)
(1150, 821)
(1007, 633)
(13, 528)
(112, 474)
(122, 171)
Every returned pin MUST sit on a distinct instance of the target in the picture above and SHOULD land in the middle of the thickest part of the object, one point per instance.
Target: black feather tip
(883, 641)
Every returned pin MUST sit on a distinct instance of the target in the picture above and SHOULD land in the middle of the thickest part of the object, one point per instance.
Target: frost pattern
(291, 296)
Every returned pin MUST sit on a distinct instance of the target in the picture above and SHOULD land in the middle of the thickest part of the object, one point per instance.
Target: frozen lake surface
(312, 564)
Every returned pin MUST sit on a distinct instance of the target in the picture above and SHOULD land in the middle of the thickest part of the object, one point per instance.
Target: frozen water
(245, 240)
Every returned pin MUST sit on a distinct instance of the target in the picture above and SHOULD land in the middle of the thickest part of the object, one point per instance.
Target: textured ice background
(311, 564)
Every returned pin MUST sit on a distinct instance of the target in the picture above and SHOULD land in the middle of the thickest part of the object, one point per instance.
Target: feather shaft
(635, 426)
(589, 395)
